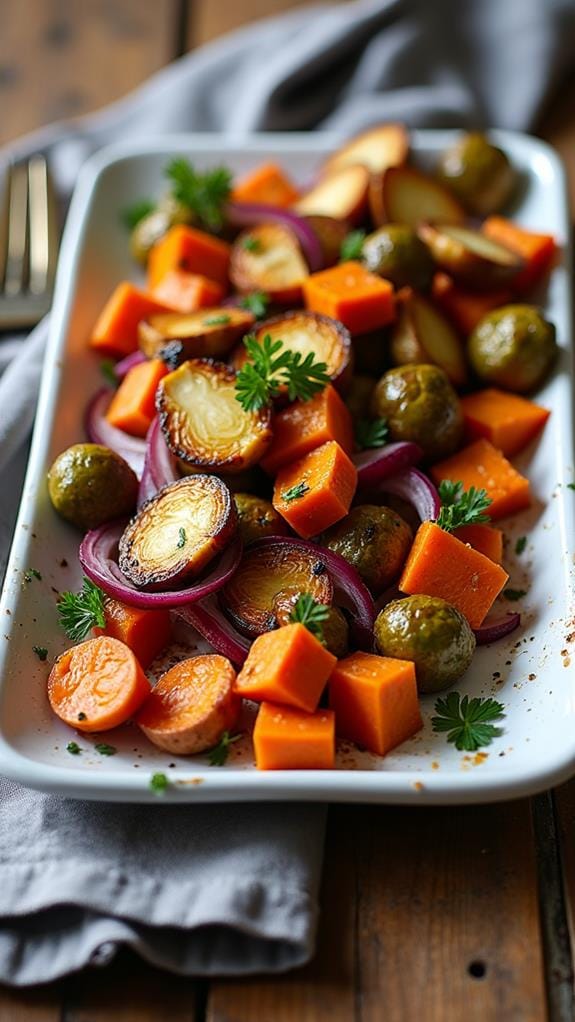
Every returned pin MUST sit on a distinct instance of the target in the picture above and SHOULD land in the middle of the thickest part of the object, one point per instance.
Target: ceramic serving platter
(532, 671)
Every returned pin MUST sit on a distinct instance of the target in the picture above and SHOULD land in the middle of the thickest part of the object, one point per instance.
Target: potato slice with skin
(191, 705)
(470, 257)
(209, 333)
(386, 145)
(341, 195)
(423, 334)
(177, 532)
(268, 579)
(405, 195)
(204, 424)
(269, 258)
(308, 332)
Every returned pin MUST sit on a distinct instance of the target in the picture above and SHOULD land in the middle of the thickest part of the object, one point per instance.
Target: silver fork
(28, 244)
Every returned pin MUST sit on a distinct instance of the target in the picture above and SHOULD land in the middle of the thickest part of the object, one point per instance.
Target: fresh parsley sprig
(461, 507)
(270, 366)
(257, 303)
(468, 722)
(295, 492)
(352, 246)
(205, 194)
(371, 433)
(311, 614)
(220, 752)
(80, 612)
(158, 783)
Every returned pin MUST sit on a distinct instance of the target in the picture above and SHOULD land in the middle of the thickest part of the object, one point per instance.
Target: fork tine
(38, 224)
(15, 277)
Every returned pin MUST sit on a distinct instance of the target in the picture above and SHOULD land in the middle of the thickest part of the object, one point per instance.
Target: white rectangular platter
(532, 672)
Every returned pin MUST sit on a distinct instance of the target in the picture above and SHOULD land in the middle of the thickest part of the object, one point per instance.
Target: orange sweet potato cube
(288, 739)
(186, 248)
(483, 466)
(348, 292)
(267, 185)
(287, 666)
(116, 329)
(485, 538)
(305, 425)
(317, 490)
(187, 292)
(508, 421)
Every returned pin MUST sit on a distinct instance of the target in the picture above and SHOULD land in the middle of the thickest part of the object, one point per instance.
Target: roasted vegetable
(155, 224)
(204, 424)
(268, 581)
(420, 404)
(478, 173)
(386, 145)
(407, 196)
(422, 333)
(331, 234)
(513, 347)
(90, 484)
(396, 253)
(209, 333)
(375, 540)
(271, 261)
(334, 629)
(342, 194)
(257, 517)
(177, 532)
(359, 395)
(470, 257)
(308, 333)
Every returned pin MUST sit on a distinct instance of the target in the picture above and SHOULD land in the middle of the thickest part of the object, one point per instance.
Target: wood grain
(61, 59)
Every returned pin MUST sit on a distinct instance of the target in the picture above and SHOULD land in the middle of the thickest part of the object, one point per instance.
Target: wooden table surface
(429, 914)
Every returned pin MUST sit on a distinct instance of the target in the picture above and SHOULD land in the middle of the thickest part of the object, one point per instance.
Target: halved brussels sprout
(478, 173)
(341, 194)
(176, 336)
(421, 333)
(470, 257)
(267, 583)
(268, 258)
(177, 532)
(204, 424)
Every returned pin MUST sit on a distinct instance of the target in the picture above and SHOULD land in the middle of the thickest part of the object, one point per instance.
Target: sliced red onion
(159, 465)
(382, 462)
(352, 593)
(414, 487)
(248, 214)
(122, 368)
(206, 617)
(494, 630)
(131, 448)
(98, 556)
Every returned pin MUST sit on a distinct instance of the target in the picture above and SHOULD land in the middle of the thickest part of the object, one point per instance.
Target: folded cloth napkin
(233, 889)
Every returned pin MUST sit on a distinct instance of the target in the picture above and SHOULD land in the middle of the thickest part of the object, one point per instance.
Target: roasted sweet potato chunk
(204, 424)
(177, 532)
(470, 257)
(268, 258)
(209, 333)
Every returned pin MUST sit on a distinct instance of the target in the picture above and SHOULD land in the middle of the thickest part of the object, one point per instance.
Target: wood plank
(41, 1005)
(208, 19)
(59, 59)
(558, 903)
(558, 128)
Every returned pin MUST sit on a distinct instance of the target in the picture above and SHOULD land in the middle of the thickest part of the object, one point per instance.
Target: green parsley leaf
(73, 748)
(514, 594)
(108, 371)
(570, 486)
(32, 573)
(132, 215)
(461, 507)
(352, 246)
(370, 433)
(310, 613)
(181, 538)
(220, 752)
(80, 612)
(204, 193)
(270, 365)
(104, 749)
(158, 783)
(467, 722)
(257, 303)
(295, 492)
(41, 652)
(520, 544)
(222, 320)
(251, 244)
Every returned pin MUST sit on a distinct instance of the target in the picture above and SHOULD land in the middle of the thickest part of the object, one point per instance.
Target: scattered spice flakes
(73, 748)
(435, 765)
(532, 677)
(104, 749)
(32, 573)
(567, 661)
(63, 563)
(418, 786)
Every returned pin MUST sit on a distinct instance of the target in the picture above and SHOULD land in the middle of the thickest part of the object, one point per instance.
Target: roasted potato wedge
(386, 145)
(331, 234)
(267, 577)
(470, 257)
(341, 195)
(177, 532)
(269, 258)
(204, 424)
(422, 333)
(308, 332)
(404, 195)
(207, 333)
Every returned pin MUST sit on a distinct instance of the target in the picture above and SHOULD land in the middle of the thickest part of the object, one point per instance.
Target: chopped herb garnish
(514, 594)
(461, 507)
(132, 215)
(257, 303)
(570, 486)
(107, 369)
(310, 613)
(222, 320)
(80, 612)
(181, 538)
(371, 433)
(520, 544)
(32, 573)
(467, 721)
(251, 244)
(295, 492)
(104, 749)
(81, 715)
(73, 748)
(41, 652)
(204, 193)
(220, 752)
(272, 365)
(352, 246)
(158, 783)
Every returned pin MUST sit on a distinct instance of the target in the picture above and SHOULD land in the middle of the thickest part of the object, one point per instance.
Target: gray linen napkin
(232, 889)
